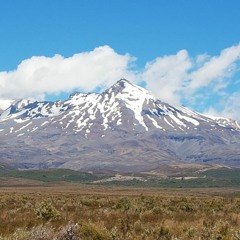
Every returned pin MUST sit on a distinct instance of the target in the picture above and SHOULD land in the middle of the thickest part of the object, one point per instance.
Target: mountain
(124, 128)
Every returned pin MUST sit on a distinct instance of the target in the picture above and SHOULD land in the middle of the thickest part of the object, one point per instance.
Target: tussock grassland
(70, 211)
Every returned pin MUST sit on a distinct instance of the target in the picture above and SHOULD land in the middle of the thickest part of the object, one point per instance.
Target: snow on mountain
(4, 104)
(122, 124)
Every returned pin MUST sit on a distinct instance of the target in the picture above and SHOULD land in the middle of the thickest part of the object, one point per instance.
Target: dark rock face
(124, 128)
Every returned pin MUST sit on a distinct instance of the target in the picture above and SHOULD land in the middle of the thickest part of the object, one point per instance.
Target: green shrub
(124, 204)
(46, 211)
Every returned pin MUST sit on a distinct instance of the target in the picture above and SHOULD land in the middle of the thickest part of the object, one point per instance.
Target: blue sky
(185, 52)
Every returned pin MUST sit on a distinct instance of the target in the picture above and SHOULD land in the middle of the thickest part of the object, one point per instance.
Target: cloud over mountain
(41, 75)
(211, 82)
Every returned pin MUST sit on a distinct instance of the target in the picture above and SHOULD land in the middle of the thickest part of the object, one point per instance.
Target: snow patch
(20, 134)
(23, 127)
(154, 122)
(44, 123)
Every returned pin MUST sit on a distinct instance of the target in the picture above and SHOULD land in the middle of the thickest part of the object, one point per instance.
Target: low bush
(46, 211)
(64, 216)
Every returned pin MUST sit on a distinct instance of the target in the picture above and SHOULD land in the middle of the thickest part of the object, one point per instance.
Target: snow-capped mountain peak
(126, 88)
(124, 104)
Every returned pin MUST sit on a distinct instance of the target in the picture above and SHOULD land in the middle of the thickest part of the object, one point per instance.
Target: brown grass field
(36, 210)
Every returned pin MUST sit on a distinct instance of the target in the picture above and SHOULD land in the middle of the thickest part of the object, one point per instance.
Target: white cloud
(230, 107)
(38, 76)
(218, 68)
(166, 75)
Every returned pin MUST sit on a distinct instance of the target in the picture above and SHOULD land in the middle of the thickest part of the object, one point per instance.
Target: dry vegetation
(99, 213)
